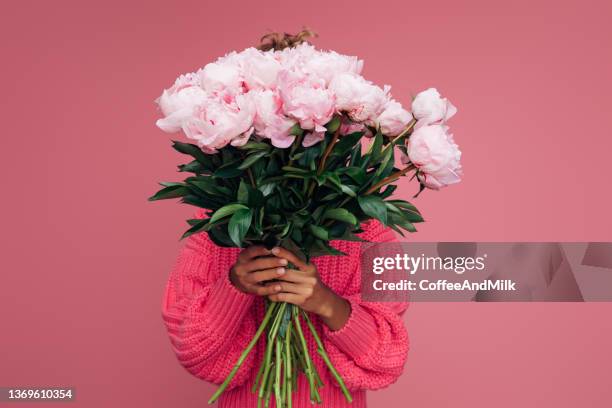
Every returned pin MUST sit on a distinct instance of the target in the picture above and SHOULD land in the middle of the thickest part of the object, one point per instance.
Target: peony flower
(429, 107)
(259, 69)
(269, 120)
(306, 100)
(217, 123)
(348, 126)
(294, 58)
(360, 99)
(224, 74)
(177, 102)
(394, 119)
(312, 138)
(433, 151)
(328, 65)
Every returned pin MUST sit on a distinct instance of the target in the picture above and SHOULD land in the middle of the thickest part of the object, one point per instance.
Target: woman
(214, 302)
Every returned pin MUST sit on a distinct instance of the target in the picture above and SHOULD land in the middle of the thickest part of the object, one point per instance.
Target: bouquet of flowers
(294, 147)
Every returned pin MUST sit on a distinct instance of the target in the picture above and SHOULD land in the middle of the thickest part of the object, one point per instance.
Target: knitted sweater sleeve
(208, 320)
(370, 350)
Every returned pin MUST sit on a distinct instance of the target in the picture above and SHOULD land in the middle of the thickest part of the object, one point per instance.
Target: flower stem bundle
(294, 148)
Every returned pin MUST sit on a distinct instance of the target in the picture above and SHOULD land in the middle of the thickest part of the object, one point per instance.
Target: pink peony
(360, 99)
(294, 58)
(327, 65)
(429, 107)
(222, 75)
(217, 123)
(178, 102)
(259, 69)
(394, 119)
(312, 138)
(269, 120)
(306, 100)
(433, 151)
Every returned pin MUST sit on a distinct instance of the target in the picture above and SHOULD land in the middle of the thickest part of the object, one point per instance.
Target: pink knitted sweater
(210, 322)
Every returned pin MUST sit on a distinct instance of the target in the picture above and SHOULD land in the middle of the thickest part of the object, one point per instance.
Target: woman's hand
(255, 266)
(303, 287)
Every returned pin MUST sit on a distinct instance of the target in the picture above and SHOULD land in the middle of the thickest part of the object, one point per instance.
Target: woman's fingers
(265, 275)
(295, 276)
(295, 288)
(265, 290)
(283, 253)
(259, 264)
(287, 297)
(253, 252)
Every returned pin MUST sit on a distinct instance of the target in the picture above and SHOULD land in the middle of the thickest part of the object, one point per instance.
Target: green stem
(268, 389)
(323, 161)
(402, 134)
(244, 355)
(277, 380)
(288, 369)
(271, 337)
(390, 179)
(258, 378)
(323, 354)
(314, 394)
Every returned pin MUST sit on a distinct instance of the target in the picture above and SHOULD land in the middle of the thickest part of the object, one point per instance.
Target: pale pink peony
(348, 126)
(429, 107)
(394, 119)
(217, 123)
(306, 100)
(433, 151)
(222, 75)
(328, 65)
(259, 69)
(312, 138)
(178, 102)
(269, 120)
(360, 99)
(294, 58)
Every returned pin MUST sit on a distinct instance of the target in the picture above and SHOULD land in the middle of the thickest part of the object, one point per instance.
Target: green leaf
(192, 167)
(220, 237)
(334, 180)
(409, 211)
(197, 227)
(383, 167)
(350, 236)
(340, 214)
(209, 186)
(296, 130)
(194, 221)
(243, 193)
(356, 173)
(227, 210)
(294, 169)
(251, 159)
(170, 191)
(374, 207)
(228, 170)
(346, 143)
(256, 146)
(239, 225)
(376, 148)
(319, 232)
(333, 124)
(398, 220)
(190, 149)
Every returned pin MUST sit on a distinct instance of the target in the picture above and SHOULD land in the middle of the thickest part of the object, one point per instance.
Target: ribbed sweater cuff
(358, 336)
(226, 304)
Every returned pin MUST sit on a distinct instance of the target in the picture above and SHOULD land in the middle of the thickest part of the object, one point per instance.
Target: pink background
(85, 257)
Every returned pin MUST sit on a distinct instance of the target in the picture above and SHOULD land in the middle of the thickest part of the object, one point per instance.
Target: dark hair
(279, 41)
